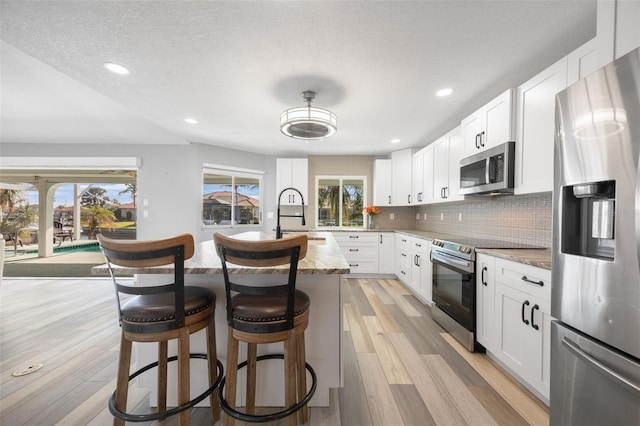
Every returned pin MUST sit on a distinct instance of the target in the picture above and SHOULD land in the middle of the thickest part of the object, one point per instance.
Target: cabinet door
(382, 182)
(427, 175)
(426, 272)
(401, 177)
(627, 30)
(524, 336)
(403, 262)
(386, 253)
(485, 297)
(497, 121)
(471, 132)
(417, 181)
(584, 60)
(440, 169)
(536, 129)
(455, 155)
(292, 173)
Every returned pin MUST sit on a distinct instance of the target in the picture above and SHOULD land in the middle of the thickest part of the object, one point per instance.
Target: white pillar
(77, 227)
(45, 218)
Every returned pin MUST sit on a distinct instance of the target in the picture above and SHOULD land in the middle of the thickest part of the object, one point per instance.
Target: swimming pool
(92, 246)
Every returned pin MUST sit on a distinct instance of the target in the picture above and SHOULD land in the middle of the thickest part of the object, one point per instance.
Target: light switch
(391, 216)
(145, 202)
(269, 215)
(441, 216)
(425, 216)
(145, 213)
(459, 217)
(417, 216)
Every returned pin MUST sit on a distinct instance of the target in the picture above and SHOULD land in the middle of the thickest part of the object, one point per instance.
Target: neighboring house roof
(224, 198)
(126, 206)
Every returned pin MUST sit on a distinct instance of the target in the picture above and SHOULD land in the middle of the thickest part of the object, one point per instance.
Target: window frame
(340, 178)
(233, 173)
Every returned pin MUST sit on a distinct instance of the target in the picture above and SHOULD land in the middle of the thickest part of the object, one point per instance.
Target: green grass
(123, 225)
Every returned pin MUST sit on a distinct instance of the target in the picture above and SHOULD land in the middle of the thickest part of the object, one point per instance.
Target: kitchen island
(318, 275)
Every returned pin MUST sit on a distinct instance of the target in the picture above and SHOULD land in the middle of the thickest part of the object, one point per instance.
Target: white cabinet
(360, 249)
(401, 177)
(413, 265)
(382, 182)
(423, 176)
(627, 27)
(386, 253)
(403, 259)
(523, 322)
(485, 301)
(489, 126)
(447, 152)
(292, 173)
(536, 129)
(585, 60)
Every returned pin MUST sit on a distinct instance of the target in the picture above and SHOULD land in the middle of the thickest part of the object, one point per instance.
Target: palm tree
(96, 217)
(94, 196)
(9, 198)
(25, 216)
(131, 188)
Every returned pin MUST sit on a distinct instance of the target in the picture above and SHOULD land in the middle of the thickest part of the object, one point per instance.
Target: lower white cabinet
(360, 249)
(386, 253)
(485, 301)
(522, 323)
(413, 265)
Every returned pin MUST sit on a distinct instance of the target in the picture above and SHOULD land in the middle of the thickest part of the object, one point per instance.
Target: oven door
(454, 287)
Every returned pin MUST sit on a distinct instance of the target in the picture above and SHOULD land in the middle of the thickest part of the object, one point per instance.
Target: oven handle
(452, 262)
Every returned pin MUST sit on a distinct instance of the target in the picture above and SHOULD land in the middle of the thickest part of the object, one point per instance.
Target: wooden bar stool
(266, 313)
(158, 314)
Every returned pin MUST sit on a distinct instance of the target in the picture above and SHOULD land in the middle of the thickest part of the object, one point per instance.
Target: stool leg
(252, 352)
(212, 355)
(122, 382)
(183, 374)
(232, 374)
(290, 375)
(302, 377)
(162, 375)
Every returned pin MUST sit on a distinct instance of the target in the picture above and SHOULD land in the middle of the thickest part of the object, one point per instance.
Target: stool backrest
(264, 253)
(146, 254)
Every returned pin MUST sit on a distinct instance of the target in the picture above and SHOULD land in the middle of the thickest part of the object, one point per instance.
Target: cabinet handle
(446, 192)
(389, 199)
(403, 254)
(540, 283)
(353, 249)
(353, 236)
(535, 326)
(409, 199)
(524, 320)
(482, 276)
(380, 238)
(442, 192)
(482, 138)
(478, 140)
(417, 260)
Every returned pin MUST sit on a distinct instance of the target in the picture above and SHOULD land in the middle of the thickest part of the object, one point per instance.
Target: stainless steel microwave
(488, 172)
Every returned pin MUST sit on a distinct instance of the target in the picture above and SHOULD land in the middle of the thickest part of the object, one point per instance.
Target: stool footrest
(263, 418)
(164, 414)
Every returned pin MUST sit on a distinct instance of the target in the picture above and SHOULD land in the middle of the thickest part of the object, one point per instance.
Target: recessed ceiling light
(395, 140)
(116, 68)
(191, 120)
(444, 92)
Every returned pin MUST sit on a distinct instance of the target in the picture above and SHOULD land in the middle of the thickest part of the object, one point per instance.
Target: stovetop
(465, 247)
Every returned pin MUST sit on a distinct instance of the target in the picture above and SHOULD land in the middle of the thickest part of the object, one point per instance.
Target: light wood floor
(400, 367)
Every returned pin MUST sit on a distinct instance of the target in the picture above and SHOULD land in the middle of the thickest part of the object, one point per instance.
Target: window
(340, 201)
(231, 197)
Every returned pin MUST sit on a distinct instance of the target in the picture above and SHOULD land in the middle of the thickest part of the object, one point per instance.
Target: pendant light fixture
(308, 123)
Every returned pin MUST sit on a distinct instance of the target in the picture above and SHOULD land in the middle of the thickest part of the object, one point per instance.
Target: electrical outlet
(441, 216)
(269, 215)
(417, 216)
(145, 213)
(459, 217)
(425, 216)
(391, 216)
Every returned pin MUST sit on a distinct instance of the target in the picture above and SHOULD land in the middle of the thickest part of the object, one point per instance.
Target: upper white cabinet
(489, 126)
(292, 173)
(585, 60)
(536, 129)
(382, 182)
(423, 176)
(401, 163)
(447, 152)
(627, 27)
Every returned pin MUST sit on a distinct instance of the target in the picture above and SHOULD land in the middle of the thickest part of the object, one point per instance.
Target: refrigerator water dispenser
(588, 220)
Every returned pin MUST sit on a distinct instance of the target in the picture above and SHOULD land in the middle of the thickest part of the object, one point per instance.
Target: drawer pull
(353, 236)
(353, 249)
(354, 264)
(540, 283)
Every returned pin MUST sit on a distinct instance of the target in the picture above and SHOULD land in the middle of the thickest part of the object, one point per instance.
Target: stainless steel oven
(454, 290)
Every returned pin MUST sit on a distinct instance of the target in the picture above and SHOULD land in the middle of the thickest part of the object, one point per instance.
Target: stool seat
(267, 308)
(161, 307)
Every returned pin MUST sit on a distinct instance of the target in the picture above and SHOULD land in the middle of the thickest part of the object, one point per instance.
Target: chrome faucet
(278, 230)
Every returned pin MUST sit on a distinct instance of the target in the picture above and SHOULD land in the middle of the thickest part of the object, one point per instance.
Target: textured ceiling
(235, 66)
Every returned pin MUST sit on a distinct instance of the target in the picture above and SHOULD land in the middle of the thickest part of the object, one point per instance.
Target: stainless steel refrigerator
(595, 297)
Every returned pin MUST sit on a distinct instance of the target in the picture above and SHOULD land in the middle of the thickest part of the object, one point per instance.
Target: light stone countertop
(323, 257)
(534, 257)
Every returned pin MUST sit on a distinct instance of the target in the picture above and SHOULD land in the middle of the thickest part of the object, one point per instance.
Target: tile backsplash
(519, 218)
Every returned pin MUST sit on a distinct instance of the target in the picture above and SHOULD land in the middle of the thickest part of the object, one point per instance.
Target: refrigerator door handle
(603, 369)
